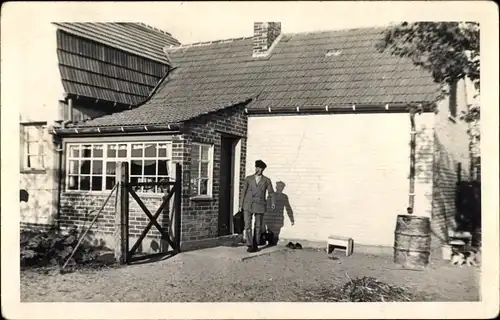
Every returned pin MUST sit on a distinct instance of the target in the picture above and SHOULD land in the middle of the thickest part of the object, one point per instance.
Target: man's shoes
(298, 246)
(252, 249)
(290, 245)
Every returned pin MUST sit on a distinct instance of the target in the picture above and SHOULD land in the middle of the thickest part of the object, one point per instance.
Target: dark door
(225, 185)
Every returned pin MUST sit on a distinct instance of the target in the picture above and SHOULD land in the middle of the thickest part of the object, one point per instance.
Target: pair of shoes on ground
(294, 246)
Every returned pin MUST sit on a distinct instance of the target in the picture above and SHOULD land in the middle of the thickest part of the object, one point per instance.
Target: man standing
(253, 203)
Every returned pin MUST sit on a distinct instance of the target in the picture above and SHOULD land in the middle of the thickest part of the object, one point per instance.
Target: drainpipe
(413, 143)
(58, 176)
(59, 187)
(411, 199)
(70, 109)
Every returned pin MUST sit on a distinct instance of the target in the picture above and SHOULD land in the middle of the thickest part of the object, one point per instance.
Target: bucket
(446, 252)
(412, 241)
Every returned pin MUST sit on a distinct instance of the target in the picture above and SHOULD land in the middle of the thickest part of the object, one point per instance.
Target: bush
(52, 248)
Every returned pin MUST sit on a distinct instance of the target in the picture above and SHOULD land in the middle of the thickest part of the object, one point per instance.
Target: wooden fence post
(177, 206)
(121, 214)
(165, 220)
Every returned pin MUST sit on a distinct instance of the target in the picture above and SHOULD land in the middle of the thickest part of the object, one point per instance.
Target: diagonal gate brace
(152, 219)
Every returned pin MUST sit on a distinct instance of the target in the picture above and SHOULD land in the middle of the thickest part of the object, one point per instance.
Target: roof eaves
(117, 130)
(351, 108)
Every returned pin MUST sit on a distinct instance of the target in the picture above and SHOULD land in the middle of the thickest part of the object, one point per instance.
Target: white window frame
(37, 141)
(105, 160)
(210, 162)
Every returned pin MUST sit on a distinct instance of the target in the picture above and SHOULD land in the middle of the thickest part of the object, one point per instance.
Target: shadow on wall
(82, 223)
(274, 220)
(36, 205)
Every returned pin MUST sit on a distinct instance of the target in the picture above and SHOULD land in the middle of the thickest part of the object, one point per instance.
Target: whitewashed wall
(39, 88)
(345, 175)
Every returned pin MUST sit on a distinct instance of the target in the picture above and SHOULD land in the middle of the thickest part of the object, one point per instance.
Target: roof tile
(93, 67)
(135, 38)
(297, 73)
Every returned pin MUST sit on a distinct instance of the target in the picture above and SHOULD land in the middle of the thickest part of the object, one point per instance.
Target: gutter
(170, 128)
(354, 108)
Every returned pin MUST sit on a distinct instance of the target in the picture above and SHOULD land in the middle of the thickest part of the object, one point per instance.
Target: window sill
(34, 171)
(105, 193)
(201, 198)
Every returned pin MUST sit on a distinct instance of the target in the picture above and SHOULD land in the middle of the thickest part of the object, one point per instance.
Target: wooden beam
(121, 214)
(152, 221)
(152, 184)
(145, 209)
(177, 206)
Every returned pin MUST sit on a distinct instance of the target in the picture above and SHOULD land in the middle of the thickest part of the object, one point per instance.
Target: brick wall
(80, 209)
(264, 35)
(199, 218)
(35, 226)
(424, 161)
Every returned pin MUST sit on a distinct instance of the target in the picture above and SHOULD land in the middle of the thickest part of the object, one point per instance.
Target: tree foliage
(449, 50)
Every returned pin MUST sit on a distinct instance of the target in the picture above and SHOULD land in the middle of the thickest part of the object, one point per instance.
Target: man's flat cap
(260, 164)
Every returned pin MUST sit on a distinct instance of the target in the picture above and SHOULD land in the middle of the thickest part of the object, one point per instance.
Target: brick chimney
(264, 35)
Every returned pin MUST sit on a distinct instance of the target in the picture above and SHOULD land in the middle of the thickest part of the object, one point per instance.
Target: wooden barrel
(412, 241)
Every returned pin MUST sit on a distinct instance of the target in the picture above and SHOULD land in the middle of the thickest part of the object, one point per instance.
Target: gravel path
(280, 276)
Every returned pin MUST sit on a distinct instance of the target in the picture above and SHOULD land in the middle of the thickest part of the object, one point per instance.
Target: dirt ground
(279, 276)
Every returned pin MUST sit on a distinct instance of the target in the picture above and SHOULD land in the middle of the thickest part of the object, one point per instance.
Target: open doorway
(229, 174)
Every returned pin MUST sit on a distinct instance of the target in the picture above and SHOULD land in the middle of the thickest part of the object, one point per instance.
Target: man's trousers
(253, 239)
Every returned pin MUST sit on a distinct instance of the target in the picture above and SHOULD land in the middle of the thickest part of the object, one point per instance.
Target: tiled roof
(169, 114)
(335, 68)
(136, 38)
(95, 70)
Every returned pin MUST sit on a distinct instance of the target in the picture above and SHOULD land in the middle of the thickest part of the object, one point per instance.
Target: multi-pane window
(33, 153)
(92, 167)
(201, 169)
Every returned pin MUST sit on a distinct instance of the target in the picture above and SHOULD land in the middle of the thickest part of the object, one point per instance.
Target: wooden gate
(126, 188)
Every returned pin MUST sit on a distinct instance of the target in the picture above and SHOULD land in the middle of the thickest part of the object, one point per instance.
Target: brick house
(89, 69)
(325, 110)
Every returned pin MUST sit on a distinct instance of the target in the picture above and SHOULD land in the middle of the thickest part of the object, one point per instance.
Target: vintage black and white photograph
(182, 154)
